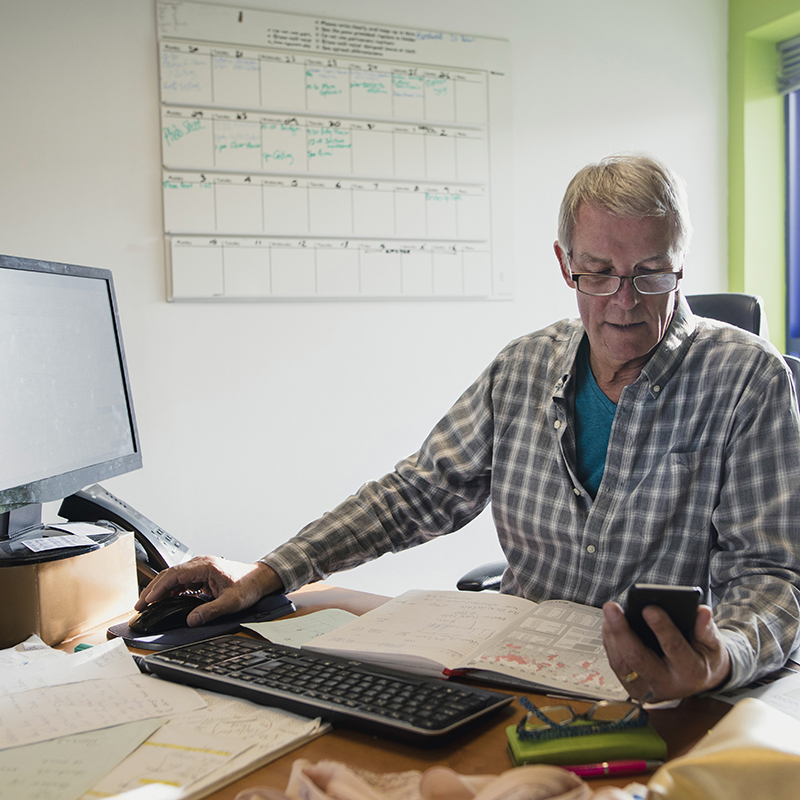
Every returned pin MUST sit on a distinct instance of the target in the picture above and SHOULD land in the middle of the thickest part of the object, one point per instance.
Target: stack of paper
(89, 725)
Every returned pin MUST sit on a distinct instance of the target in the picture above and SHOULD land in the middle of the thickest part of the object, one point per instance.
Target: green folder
(628, 743)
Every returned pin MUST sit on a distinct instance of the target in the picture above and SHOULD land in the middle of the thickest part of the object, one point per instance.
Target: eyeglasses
(552, 722)
(604, 285)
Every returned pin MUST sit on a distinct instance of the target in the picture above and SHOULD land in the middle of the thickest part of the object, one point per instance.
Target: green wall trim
(756, 191)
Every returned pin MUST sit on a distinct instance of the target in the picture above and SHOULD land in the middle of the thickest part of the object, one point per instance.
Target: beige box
(60, 599)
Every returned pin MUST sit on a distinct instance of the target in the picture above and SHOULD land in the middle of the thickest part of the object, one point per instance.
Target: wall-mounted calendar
(312, 158)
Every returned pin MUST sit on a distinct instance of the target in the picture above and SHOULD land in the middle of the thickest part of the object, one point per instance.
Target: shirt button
(656, 388)
(557, 424)
(577, 491)
(590, 549)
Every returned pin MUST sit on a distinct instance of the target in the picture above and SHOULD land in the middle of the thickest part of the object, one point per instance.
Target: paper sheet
(209, 747)
(31, 651)
(54, 711)
(81, 528)
(783, 694)
(296, 631)
(107, 660)
(86, 725)
(57, 542)
(65, 768)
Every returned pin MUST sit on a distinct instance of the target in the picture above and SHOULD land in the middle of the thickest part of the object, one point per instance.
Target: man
(637, 444)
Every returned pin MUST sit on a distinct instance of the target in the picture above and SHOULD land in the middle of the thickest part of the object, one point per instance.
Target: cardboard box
(60, 599)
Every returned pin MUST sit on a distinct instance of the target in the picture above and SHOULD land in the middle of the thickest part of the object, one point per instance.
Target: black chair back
(745, 311)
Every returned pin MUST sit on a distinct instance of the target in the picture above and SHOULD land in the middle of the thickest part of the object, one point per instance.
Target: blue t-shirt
(594, 416)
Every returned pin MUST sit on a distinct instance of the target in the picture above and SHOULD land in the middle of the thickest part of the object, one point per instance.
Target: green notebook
(629, 743)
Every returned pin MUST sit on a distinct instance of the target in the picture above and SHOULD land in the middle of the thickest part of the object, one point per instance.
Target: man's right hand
(233, 584)
(686, 668)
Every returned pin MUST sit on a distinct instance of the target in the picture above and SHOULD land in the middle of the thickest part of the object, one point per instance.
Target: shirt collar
(571, 345)
(672, 348)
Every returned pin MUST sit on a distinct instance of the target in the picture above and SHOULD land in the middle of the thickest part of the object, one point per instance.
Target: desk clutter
(89, 725)
(753, 753)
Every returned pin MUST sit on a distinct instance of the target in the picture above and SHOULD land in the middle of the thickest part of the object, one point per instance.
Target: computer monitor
(66, 411)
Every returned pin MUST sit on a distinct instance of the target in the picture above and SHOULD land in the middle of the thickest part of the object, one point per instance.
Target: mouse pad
(270, 607)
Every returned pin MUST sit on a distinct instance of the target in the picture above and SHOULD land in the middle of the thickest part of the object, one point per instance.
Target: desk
(482, 751)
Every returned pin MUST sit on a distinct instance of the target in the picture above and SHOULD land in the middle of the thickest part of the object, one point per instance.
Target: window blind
(789, 65)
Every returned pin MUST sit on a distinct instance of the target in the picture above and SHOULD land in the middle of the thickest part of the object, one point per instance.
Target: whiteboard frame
(312, 39)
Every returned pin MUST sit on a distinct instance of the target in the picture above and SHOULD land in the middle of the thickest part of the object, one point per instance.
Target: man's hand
(234, 585)
(686, 668)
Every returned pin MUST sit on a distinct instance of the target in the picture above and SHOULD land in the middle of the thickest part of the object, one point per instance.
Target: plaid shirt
(701, 485)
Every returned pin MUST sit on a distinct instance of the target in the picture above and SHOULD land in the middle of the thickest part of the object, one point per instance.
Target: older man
(637, 444)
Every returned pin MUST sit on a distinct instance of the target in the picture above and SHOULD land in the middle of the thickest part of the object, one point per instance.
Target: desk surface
(482, 751)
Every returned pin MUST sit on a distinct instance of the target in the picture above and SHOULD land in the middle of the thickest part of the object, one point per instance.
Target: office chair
(745, 311)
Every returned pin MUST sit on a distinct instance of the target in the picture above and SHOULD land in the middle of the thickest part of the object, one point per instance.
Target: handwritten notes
(89, 725)
(52, 667)
(229, 203)
(35, 716)
(209, 747)
(296, 126)
(554, 645)
(195, 73)
(69, 766)
(220, 140)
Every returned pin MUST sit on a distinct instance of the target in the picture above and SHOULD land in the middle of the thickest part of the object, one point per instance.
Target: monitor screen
(66, 412)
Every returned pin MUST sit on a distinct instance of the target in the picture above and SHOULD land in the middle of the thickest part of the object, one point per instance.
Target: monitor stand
(15, 522)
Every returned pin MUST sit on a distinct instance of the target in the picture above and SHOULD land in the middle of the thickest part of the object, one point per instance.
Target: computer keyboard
(341, 691)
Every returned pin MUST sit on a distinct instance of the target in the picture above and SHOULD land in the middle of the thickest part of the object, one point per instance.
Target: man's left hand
(686, 668)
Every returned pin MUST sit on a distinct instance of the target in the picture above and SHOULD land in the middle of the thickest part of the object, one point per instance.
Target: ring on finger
(632, 676)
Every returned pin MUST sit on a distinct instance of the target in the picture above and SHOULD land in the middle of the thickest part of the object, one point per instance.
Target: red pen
(613, 768)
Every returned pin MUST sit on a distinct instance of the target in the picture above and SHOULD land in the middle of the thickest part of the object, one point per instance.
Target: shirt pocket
(665, 519)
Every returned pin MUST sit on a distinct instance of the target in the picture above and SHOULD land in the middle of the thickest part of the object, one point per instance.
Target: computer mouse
(167, 614)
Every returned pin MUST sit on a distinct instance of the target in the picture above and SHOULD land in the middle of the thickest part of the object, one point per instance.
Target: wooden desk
(482, 751)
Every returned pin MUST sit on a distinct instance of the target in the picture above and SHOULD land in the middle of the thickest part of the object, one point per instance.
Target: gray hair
(628, 186)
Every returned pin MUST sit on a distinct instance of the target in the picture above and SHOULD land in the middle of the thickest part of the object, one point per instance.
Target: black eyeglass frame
(620, 278)
(635, 718)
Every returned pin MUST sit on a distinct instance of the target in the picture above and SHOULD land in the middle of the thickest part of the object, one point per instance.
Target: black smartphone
(680, 602)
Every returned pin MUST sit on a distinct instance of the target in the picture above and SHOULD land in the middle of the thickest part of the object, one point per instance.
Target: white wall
(254, 419)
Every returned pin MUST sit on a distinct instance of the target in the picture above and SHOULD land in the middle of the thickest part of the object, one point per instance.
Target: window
(792, 116)
(789, 86)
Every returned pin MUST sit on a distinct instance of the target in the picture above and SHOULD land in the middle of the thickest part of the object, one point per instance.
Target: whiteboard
(312, 158)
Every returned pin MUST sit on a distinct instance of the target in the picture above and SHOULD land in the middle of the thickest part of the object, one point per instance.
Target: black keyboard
(341, 691)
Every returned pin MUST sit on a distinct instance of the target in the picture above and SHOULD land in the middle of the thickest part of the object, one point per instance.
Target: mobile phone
(680, 602)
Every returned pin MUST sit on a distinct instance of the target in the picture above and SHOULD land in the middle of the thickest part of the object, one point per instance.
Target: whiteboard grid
(280, 268)
(320, 175)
